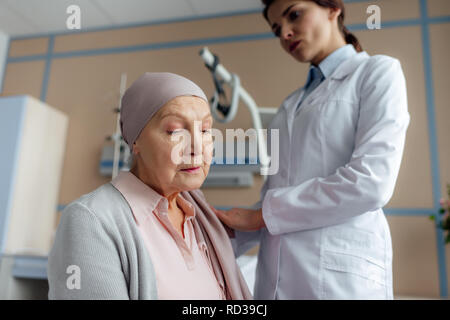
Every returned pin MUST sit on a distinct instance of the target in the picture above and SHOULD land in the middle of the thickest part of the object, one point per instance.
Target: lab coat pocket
(353, 265)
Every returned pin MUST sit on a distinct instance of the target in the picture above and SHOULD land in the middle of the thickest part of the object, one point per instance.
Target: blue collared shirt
(326, 68)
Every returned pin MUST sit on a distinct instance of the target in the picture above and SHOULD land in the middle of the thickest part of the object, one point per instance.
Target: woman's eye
(206, 131)
(277, 32)
(174, 131)
(294, 15)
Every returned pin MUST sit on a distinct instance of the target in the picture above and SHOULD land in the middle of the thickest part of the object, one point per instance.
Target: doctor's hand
(241, 219)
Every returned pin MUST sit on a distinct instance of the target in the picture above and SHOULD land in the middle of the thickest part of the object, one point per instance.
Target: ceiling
(33, 17)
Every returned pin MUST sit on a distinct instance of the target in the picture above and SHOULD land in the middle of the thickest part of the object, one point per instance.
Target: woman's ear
(135, 150)
(334, 13)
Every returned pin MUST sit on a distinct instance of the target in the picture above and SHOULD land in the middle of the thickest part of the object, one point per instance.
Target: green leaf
(431, 218)
(442, 211)
(446, 224)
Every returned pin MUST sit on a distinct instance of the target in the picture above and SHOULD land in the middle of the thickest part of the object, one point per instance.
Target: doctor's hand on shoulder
(241, 219)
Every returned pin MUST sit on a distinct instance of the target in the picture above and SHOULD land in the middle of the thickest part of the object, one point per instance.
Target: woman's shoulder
(104, 203)
(380, 61)
(378, 68)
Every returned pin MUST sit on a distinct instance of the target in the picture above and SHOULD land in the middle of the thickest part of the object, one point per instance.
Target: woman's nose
(286, 33)
(196, 148)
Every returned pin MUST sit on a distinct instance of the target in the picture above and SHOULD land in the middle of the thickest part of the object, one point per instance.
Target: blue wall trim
(145, 47)
(27, 58)
(141, 24)
(434, 152)
(424, 22)
(386, 24)
(192, 42)
(435, 20)
(165, 45)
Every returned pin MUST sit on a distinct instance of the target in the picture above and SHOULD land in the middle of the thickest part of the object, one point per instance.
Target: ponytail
(351, 39)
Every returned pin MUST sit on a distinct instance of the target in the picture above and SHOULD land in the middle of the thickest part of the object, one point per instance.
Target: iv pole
(117, 137)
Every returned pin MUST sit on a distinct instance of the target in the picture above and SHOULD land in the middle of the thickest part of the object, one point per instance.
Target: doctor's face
(304, 28)
(174, 150)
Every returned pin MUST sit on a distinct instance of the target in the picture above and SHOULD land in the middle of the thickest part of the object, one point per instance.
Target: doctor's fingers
(221, 214)
(229, 217)
(217, 211)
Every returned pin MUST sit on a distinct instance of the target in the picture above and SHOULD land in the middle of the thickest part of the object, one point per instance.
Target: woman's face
(174, 150)
(305, 29)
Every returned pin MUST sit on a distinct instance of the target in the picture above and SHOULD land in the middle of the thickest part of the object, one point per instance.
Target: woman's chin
(191, 187)
(300, 57)
(190, 183)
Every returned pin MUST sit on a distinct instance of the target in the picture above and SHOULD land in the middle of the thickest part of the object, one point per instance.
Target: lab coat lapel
(347, 67)
(341, 72)
(290, 107)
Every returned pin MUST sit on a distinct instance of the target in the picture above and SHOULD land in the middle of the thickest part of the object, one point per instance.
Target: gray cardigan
(97, 239)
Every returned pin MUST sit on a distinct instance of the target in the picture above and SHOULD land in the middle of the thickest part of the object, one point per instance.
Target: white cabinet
(32, 145)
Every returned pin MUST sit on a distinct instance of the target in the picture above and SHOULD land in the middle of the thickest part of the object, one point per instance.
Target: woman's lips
(191, 170)
(294, 45)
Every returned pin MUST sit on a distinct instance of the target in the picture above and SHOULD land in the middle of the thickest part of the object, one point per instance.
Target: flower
(446, 218)
(444, 211)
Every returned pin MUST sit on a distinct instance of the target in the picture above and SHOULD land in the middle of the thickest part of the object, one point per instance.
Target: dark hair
(334, 4)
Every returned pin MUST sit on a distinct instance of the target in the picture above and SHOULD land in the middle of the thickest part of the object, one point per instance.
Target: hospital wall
(79, 73)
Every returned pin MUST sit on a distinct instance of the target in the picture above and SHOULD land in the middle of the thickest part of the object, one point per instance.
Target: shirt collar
(187, 207)
(143, 199)
(337, 57)
(311, 73)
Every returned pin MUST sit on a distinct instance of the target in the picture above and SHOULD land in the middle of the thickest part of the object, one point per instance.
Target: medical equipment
(117, 156)
(221, 76)
(107, 159)
(232, 171)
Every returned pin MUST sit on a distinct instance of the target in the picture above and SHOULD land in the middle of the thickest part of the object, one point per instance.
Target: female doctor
(321, 228)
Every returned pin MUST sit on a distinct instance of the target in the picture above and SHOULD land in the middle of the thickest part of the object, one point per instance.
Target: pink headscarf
(147, 95)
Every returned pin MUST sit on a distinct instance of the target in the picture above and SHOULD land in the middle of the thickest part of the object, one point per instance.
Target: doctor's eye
(277, 32)
(293, 15)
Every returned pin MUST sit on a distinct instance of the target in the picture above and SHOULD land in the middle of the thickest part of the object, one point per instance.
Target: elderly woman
(149, 233)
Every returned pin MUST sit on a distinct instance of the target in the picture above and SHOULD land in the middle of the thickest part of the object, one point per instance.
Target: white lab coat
(340, 154)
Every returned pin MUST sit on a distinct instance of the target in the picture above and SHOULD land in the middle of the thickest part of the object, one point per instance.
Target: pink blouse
(183, 271)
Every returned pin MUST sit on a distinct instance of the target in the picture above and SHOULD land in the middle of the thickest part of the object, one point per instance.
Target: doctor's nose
(286, 33)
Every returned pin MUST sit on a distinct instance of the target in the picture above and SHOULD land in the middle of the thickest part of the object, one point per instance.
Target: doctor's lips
(293, 45)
